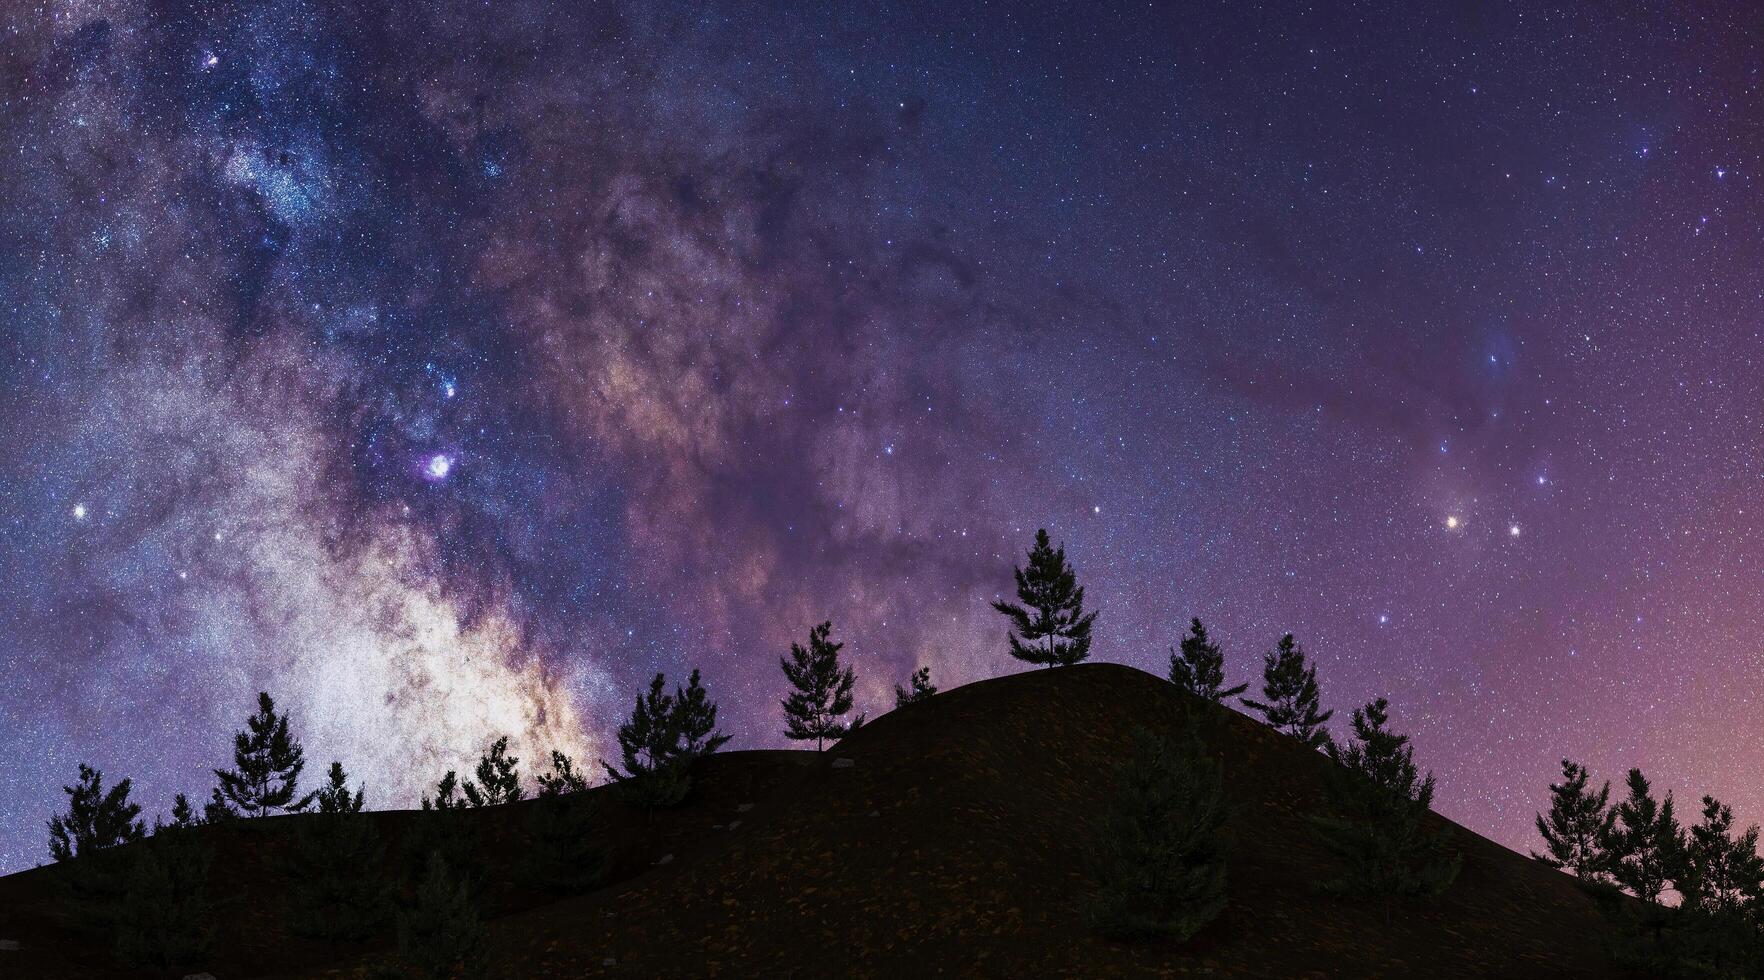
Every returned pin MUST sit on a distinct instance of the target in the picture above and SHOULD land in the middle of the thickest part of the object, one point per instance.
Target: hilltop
(942, 839)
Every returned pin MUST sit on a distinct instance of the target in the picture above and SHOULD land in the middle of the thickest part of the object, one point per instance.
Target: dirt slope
(950, 846)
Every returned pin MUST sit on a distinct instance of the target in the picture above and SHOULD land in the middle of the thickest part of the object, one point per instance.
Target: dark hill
(951, 847)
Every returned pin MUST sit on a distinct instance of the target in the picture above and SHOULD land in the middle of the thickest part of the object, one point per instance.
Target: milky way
(447, 368)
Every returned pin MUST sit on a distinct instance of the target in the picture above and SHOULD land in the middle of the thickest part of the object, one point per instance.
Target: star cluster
(448, 368)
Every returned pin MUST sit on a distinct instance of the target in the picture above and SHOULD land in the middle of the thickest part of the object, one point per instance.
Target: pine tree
(655, 775)
(822, 692)
(921, 689)
(1578, 825)
(183, 813)
(440, 933)
(1156, 855)
(562, 778)
(565, 853)
(164, 916)
(1646, 845)
(1291, 698)
(333, 796)
(1199, 668)
(217, 809)
(447, 795)
(336, 889)
(95, 819)
(1379, 802)
(695, 716)
(267, 763)
(499, 781)
(1721, 874)
(1051, 626)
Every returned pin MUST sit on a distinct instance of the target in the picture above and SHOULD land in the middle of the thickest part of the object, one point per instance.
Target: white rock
(743, 808)
(875, 813)
(733, 824)
(8, 945)
(609, 961)
(665, 858)
(845, 763)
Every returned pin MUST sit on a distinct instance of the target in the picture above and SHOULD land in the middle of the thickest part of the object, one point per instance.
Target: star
(1452, 522)
(79, 512)
(438, 467)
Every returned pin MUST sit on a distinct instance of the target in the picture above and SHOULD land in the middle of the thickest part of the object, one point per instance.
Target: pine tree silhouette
(1578, 825)
(1378, 802)
(499, 781)
(447, 795)
(562, 778)
(1291, 699)
(565, 852)
(333, 796)
(654, 773)
(1199, 667)
(267, 762)
(440, 933)
(1051, 626)
(164, 917)
(1156, 857)
(95, 819)
(1646, 846)
(337, 889)
(695, 716)
(822, 692)
(183, 813)
(1722, 874)
(921, 690)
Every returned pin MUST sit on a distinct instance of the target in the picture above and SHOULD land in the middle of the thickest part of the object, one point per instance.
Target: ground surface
(952, 846)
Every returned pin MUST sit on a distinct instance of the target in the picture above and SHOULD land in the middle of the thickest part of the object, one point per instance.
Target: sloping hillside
(950, 844)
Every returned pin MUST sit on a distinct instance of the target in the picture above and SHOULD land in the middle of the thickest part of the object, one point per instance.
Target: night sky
(447, 371)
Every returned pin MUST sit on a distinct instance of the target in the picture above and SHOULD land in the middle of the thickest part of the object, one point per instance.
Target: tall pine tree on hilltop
(822, 695)
(1578, 825)
(1291, 701)
(267, 761)
(1199, 667)
(1378, 801)
(1646, 847)
(1050, 627)
(96, 819)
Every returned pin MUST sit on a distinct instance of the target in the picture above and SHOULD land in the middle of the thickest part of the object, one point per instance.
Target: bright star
(79, 512)
(1512, 530)
(439, 466)
(1452, 522)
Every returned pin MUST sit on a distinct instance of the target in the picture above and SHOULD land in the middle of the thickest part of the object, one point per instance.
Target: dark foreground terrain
(951, 846)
